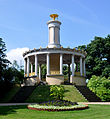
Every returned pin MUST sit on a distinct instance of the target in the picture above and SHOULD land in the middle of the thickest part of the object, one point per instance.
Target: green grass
(21, 112)
(41, 94)
(10, 94)
(72, 94)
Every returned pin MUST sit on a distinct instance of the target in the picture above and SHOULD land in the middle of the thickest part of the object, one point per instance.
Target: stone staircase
(22, 94)
(89, 95)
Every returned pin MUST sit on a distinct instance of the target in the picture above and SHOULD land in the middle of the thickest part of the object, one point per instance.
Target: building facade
(54, 56)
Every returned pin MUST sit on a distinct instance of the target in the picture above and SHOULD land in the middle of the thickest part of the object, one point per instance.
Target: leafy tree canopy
(3, 61)
(98, 57)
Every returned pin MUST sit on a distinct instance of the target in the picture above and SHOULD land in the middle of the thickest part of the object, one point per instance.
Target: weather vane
(53, 16)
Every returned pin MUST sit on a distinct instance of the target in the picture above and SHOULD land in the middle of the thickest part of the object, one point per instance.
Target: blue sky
(23, 22)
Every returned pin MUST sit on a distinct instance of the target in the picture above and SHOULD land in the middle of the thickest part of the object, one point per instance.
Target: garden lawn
(21, 112)
(41, 94)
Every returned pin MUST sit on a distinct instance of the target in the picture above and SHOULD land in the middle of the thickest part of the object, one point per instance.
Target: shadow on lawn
(5, 110)
(42, 94)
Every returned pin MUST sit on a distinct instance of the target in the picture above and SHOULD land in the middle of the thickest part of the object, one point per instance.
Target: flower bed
(42, 107)
(58, 103)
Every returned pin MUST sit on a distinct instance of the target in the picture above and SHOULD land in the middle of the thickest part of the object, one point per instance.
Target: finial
(53, 16)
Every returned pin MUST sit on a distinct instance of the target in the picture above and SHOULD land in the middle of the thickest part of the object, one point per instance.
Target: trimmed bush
(57, 92)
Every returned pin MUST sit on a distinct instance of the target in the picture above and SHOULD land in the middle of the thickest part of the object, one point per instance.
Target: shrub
(57, 92)
(100, 86)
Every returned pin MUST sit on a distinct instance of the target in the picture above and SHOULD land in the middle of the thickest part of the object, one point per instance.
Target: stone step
(89, 95)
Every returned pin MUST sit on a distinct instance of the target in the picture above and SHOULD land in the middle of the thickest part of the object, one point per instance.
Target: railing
(30, 74)
(55, 72)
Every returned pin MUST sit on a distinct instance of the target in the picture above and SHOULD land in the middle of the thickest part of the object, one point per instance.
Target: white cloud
(16, 54)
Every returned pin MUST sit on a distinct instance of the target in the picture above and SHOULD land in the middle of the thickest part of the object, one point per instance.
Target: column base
(55, 79)
(78, 80)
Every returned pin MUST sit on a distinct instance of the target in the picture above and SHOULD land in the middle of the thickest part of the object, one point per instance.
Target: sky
(23, 23)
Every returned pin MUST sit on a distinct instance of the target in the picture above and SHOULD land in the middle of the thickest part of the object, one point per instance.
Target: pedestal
(55, 79)
(78, 80)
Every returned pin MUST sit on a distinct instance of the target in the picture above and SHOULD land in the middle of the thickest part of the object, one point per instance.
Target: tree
(19, 76)
(15, 64)
(13, 75)
(3, 61)
(65, 70)
(4, 87)
(18, 73)
(9, 75)
(44, 71)
(98, 57)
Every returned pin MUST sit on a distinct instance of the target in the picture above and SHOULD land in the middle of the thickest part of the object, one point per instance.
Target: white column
(61, 64)
(35, 65)
(72, 65)
(69, 72)
(40, 72)
(48, 64)
(81, 66)
(84, 68)
(53, 34)
(27, 66)
(31, 68)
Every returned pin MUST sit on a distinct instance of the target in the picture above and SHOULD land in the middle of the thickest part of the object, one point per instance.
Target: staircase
(23, 94)
(89, 95)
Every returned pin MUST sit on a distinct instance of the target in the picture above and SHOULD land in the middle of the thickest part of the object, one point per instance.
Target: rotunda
(54, 56)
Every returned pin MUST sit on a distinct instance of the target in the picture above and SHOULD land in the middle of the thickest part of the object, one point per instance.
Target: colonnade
(27, 66)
